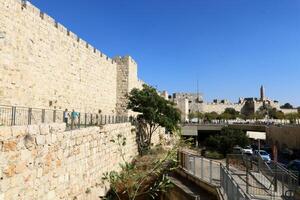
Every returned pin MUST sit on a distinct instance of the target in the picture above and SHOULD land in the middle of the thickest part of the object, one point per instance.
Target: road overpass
(283, 136)
(195, 129)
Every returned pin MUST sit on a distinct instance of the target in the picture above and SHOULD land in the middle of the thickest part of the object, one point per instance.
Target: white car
(247, 150)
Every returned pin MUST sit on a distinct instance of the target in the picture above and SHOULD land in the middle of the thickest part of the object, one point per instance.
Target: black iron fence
(16, 116)
(268, 179)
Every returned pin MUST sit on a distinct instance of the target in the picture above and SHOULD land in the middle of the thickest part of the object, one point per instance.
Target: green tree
(229, 113)
(225, 116)
(153, 112)
(228, 138)
(287, 106)
(192, 115)
(197, 114)
(232, 112)
(268, 110)
(211, 116)
(292, 117)
(279, 115)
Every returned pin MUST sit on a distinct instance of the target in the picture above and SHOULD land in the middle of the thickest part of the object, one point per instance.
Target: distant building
(187, 103)
(193, 102)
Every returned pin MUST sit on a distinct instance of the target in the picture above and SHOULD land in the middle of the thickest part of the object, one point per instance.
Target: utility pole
(198, 101)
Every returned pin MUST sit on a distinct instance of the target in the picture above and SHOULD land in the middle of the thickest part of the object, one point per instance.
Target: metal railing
(16, 116)
(204, 169)
(267, 179)
(214, 173)
(280, 180)
(230, 187)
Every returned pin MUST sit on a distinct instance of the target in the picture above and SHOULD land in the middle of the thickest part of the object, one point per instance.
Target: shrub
(213, 155)
(227, 140)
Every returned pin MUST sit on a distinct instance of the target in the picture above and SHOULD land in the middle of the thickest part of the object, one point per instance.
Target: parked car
(247, 150)
(294, 166)
(237, 150)
(265, 156)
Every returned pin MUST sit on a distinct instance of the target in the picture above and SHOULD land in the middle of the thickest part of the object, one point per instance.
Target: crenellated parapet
(36, 14)
(44, 64)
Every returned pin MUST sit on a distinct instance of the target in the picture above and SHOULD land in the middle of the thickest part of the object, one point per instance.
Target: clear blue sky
(230, 47)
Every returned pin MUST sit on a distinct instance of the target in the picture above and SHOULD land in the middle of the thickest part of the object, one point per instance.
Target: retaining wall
(47, 162)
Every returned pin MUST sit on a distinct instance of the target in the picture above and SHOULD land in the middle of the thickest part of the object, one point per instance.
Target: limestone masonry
(42, 64)
(46, 162)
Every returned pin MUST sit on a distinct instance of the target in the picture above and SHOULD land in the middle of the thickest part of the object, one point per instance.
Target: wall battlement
(31, 9)
(44, 64)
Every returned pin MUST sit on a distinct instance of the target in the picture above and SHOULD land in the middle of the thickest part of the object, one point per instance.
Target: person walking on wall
(73, 117)
(66, 115)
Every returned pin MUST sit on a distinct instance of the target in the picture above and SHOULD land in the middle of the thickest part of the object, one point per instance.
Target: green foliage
(267, 110)
(287, 106)
(213, 155)
(211, 116)
(154, 112)
(197, 114)
(144, 177)
(227, 140)
(231, 113)
(292, 117)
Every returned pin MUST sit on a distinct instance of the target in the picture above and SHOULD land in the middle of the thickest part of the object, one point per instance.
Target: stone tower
(127, 79)
(262, 93)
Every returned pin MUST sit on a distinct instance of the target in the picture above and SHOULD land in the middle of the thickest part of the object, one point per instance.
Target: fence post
(91, 122)
(85, 116)
(194, 167)
(43, 115)
(221, 175)
(29, 115)
(226, 181)
(178, 158)
(97, 119)
(105, 118)
(210, 171)
(227, 162)
(13, 115)
(72, 122)
(54, 116)
(275, 178)
(247, 180)
(109, 119)
(202, 164)
(79, 120)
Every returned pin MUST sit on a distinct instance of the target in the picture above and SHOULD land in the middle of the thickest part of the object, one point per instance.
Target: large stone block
(9, 145)
(40, 139)
(5, 132)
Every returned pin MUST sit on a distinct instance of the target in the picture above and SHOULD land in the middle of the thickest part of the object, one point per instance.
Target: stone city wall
(43, 64)
(46, 162)
(289, 111)
(219, 107)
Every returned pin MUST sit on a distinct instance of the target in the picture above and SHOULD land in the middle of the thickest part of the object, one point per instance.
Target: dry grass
(145, 173)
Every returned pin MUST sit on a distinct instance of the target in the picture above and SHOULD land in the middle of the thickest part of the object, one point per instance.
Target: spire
(262, 93)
